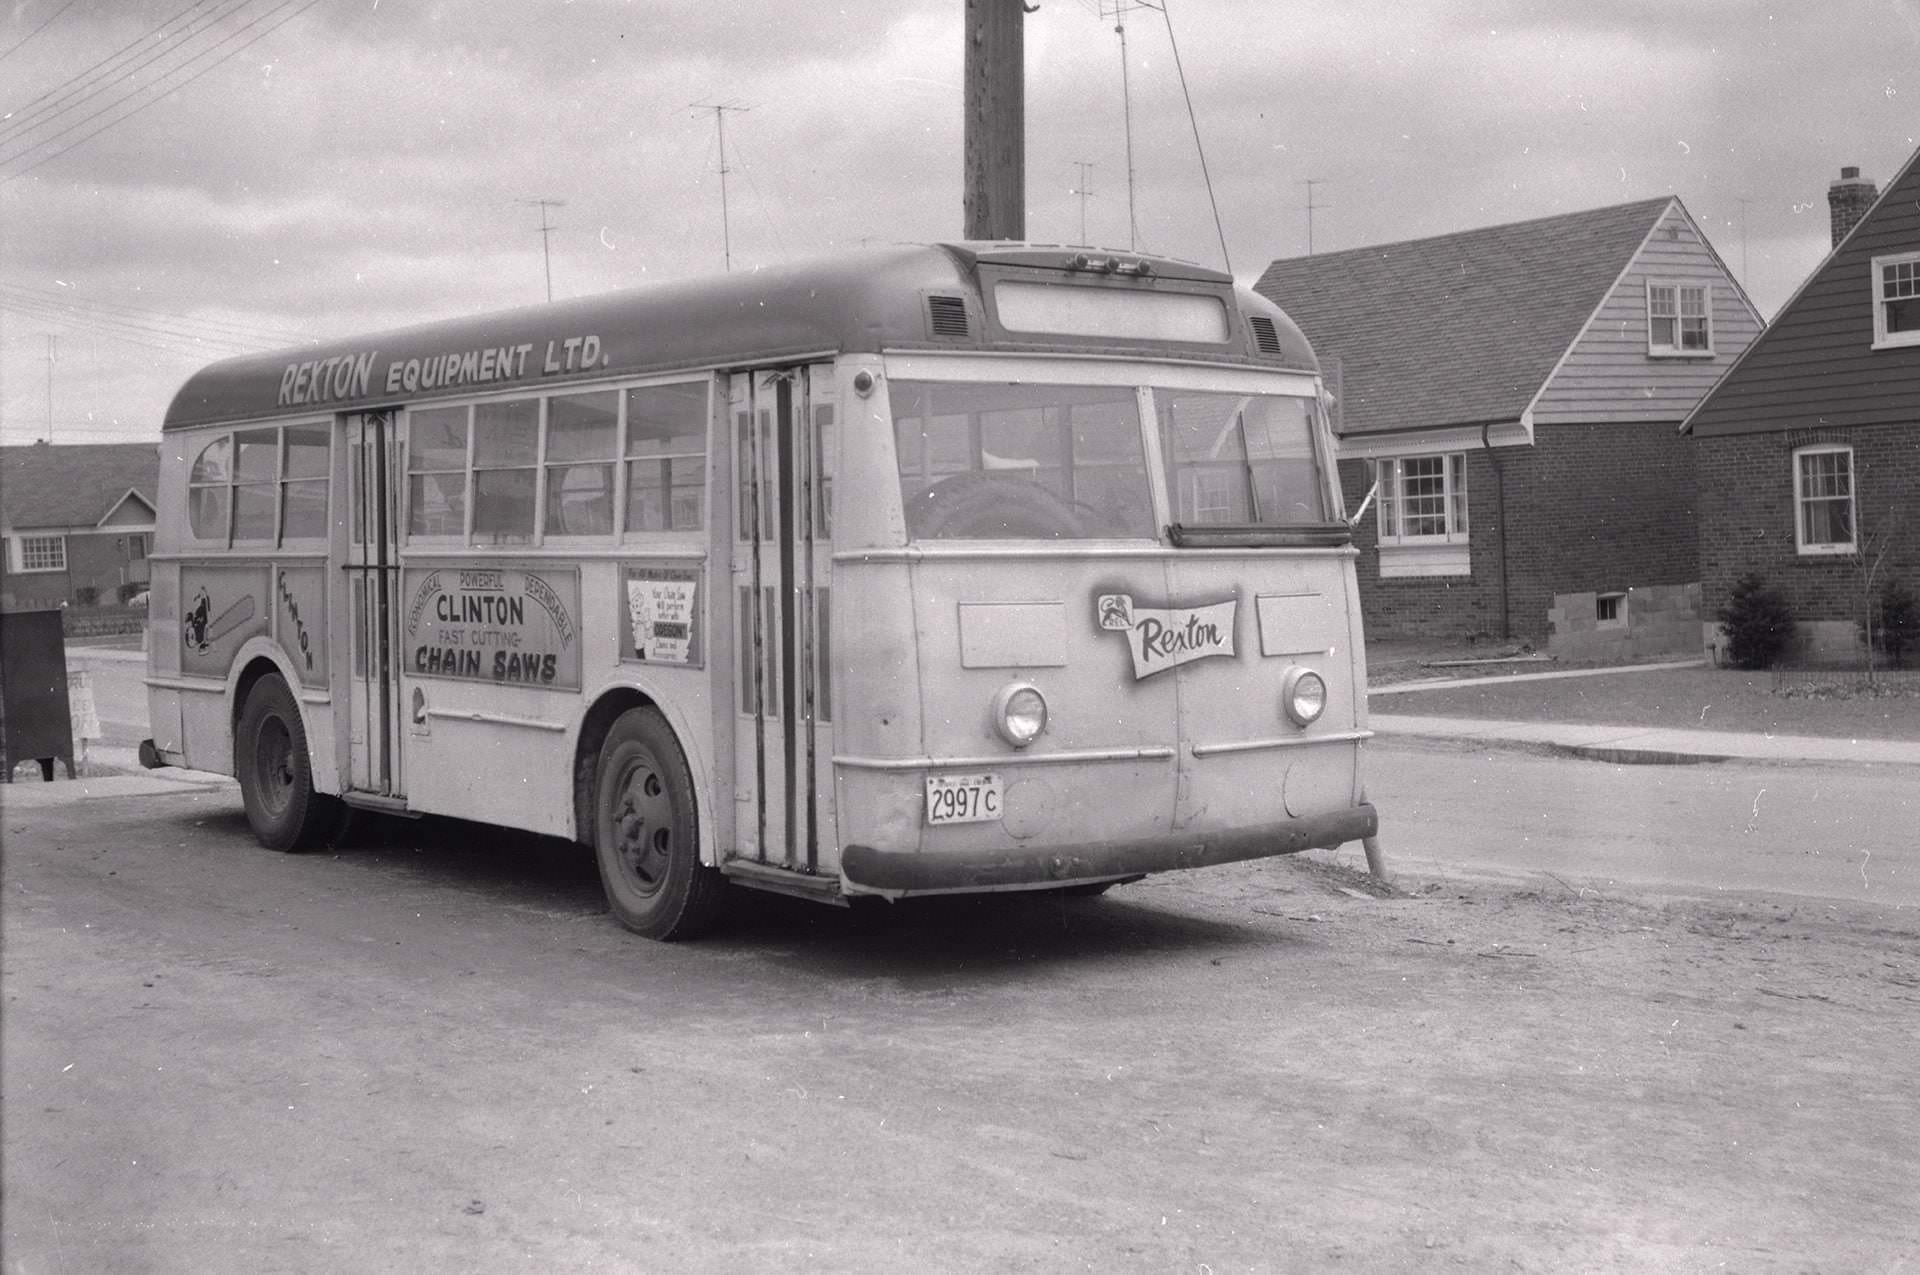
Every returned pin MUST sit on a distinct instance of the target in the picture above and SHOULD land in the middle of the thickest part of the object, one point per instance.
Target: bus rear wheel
(276, 772)
(647, 832)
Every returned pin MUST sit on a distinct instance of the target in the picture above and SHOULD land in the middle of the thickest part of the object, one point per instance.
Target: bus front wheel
(647, 832)
(276, 774)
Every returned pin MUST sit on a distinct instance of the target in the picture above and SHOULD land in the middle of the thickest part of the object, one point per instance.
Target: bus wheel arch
(273, 760)
(646, 826)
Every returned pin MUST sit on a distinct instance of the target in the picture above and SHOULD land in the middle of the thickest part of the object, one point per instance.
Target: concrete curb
(1631, 745)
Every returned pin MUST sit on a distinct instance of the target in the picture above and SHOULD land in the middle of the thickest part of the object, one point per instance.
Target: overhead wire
(298, 7)
(37, 30)
(104, 65)
(247, 332)
(132, 331)
(1195, 124)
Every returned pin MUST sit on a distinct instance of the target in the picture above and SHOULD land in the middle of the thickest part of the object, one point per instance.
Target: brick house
(77, 522)
(1809, 448)
(1517, 390)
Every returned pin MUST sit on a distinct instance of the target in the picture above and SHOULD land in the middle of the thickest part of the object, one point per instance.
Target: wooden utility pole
(994, 144)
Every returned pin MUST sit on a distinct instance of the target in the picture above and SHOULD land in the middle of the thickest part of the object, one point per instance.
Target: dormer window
(1896, 300)
(1679, 319)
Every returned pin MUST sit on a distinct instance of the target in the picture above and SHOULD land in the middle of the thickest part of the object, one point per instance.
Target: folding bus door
(782, 425)
(373, 603)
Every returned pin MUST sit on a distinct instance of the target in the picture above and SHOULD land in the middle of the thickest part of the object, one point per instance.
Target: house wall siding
(1608, 375)
(1747, 516)
(1815, 365)
(1597, 507)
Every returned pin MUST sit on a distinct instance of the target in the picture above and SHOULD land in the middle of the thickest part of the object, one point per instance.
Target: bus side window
(256, 469)
(823, 455)
(303, 485)
(667, 457)
(207, 491)
(506, 453)
(582, 439)
(437, 472)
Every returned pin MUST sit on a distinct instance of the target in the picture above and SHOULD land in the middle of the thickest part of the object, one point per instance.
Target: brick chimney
(1848, 200)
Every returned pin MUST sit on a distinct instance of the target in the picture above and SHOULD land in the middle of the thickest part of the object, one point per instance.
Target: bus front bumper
(874, 869)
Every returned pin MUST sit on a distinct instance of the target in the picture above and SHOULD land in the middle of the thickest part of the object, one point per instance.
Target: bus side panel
(876, 705)
(484, 750)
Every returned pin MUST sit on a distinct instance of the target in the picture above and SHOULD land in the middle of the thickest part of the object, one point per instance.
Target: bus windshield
(1066, 462)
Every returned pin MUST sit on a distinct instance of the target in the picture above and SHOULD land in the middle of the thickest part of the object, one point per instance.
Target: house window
(1823, 500)
(1423, 499)
(1610, 611)
(42, 553)
(1896, 300)
(1679, 318)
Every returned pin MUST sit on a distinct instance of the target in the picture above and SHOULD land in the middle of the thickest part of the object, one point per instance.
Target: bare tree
(1868, 557)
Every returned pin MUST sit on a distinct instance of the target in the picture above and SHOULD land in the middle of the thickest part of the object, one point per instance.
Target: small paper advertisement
(662, 613)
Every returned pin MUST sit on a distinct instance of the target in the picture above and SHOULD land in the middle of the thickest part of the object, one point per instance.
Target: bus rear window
(1020, 462)
(1240, 459)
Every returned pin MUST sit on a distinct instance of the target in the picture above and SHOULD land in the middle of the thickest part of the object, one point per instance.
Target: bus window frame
(703, 530)
(196, 446)
(1143, 374)
(621, 536)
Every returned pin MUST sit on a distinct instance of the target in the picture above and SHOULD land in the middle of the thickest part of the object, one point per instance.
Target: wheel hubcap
(643, 827)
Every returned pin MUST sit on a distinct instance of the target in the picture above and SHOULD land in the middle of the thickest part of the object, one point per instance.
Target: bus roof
(927, 296)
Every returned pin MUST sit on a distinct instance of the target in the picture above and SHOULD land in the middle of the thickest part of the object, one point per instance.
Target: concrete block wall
(1660, 620)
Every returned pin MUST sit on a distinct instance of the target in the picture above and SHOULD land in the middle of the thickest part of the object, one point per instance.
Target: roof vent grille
(1265, 338)
(947, 317)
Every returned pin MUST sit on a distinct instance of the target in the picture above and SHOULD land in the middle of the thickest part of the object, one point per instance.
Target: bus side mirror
(1372, 491)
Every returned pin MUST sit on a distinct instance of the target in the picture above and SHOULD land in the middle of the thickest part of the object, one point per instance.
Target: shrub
(86, 595)
(1759, 623)
(1898, 621)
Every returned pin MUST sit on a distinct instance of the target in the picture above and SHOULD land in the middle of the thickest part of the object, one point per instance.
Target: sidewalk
(1635, 744)
(1628, 744)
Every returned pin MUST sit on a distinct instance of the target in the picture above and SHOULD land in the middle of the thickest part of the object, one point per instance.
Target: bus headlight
(1303, 694)
(1019, 713)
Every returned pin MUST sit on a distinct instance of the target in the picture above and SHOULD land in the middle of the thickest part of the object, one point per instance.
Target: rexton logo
(1160, 638)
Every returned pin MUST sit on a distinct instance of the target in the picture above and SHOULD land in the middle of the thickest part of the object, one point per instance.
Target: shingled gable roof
(1461, 329)
(1809, 347)
(49, 485)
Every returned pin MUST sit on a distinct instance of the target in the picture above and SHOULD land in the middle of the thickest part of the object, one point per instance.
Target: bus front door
(373, 584)
(782, 431)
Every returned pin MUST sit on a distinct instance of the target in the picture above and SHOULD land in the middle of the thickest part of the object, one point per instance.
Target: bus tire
(646, 835)
(276, 772)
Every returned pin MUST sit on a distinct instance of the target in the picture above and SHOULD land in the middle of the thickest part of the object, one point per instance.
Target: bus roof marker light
(863, 383)
(1019, 713)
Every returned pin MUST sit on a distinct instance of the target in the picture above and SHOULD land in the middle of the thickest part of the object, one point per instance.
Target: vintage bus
(928, 569)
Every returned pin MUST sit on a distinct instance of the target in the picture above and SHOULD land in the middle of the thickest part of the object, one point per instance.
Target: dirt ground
(435, 1052)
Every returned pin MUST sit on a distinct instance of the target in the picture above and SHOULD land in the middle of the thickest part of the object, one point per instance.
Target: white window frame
(1618, 620)
(1883, 339)
(1677, 348)
(1800, 499)
(1453, 497)
(20, 542)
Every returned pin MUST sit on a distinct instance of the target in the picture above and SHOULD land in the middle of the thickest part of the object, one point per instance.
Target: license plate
(963, 799)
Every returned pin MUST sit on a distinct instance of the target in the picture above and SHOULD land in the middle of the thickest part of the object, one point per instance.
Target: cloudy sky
(185, 179)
